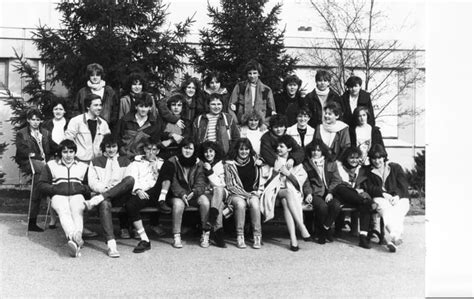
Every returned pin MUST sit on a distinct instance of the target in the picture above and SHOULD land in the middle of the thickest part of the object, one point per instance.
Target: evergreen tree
(122, 36)
(416, 176)
(239, 32)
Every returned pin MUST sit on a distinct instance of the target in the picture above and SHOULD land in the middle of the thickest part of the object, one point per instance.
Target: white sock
(362, 233)
(143, 235)
(111, 244)
(326, 228)
(97, 199)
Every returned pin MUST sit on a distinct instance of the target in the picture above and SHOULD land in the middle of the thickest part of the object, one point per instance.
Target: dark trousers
(135, 204)
(325, 213)
(35, 194)
(349, 197)
(115, 197)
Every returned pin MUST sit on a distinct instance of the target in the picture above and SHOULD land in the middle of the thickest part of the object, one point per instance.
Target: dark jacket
(57, 179)
(26, 144)
(48, 126)
(196, 180)
(395, 184)
(173, 148)
(283, 101)
(268, 145)
(376, 136)
(340, 143)
(364, 100)
(241, 97)
(312, 102)
(226, 130)
(314, 183)
(110, 104)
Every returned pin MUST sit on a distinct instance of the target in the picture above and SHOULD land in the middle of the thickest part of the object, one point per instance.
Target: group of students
(217, 151)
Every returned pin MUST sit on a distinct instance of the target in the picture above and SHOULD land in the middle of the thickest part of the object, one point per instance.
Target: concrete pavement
(38, 266)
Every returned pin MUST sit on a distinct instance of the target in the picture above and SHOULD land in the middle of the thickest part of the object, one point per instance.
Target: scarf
(222, 90)
(242, 162)
(187, 162)
(318, 162)
(335, 127)
(323, 92)
(96, 87)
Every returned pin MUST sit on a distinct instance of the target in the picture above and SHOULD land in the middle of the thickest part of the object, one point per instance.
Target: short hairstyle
(175, 98)
(188, 81)
(349, 152)
(286, 140)
(252, 115)
(187, 141)
(234, 150)
(334, 107)
(253, 65)
(150, 141)
(214, 96)
(304, 110)
(292, 79)
(135, 77)
(143, 99)
(210, 145)
(353, 81)
(313, 145)
(34, 112)
(278, 120)
(109, 140)
(377, 151)
(89, 98)
(67, 144)
(211, 75)
(95, 68)
(58, 101)
(322, 75)
(358, 109)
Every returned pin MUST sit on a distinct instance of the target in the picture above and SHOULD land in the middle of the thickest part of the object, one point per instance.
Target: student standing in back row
(353, 98)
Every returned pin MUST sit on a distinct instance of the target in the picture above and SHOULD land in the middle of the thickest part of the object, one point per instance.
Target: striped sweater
(234, 184)
(58, 179)
(104, 173)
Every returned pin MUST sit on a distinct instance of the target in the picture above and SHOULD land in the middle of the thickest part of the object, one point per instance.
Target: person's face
(283, 150)
(209, 155)
(244, 152)
(253, 123)
(190, 90)
(67, 155)
(353, 160)
(362, 117)
(58, 111)
(177, 108)
(302, 119)
(188, 150)
(151, 151)
(34, 122)
(252, 76)
(279, 131)
(354, 90)
(377, 162)
(96, 107)
(316, 153)
(291, 89)
(329, 117)
(322, 84)
(215, 106)
(111, 149)
(137, 86)
(214, 85)
(95, 78)
(143, 110)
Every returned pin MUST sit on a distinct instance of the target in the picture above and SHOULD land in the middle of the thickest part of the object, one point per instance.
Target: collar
(86, 118)
(60, 161)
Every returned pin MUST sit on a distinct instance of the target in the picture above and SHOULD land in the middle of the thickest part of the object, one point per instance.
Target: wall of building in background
(404, 135)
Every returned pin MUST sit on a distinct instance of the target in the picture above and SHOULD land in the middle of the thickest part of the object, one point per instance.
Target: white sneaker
(257, 242)
(113, 252)
(72, 247)
(391, 247)
(177, 241)
(95, 200)
(241, 242)
(205, 239)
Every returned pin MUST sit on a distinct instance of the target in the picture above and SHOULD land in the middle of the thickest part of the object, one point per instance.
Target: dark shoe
(52, 226)
(391, 247)
(308, 239)
(294, 248)
(87, 233)
(322, 236)
(330, 235)
(213, 213)
(32, 227)
(364, 242)
(219, 238)
(142, 247)
(163, 207)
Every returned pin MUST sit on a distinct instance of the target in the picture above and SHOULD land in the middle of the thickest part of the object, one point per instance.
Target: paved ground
(38, 266)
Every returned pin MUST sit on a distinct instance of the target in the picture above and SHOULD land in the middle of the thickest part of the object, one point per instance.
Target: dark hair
(251, 115)
(95, 68)
(334, 107)
(253, 65)
(286, 140)
(135, 77)
(56, 102)
(143, 99)
(176, 98)
(313, 145)
(353, 81)
(322, 75)
(377, 151)
(150, 141)
(304, 110)
(187, 141)
(234, 150)
(358, 109)
(109, 140)
(277, 120)
(214, 96)
(292, 79)
(66, 143)
(349, 152)
(34, 112)
(190, 80)
(210, 145)
(89, 98)
(211, 75)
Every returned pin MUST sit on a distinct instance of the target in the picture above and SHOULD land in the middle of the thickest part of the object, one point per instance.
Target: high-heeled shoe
(294, 248)
(308, 239)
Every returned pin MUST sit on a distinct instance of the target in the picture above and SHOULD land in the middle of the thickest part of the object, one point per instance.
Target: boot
(219, 238)
(364, 242)
(32, 227)
(213, 213)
